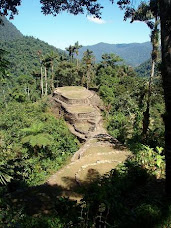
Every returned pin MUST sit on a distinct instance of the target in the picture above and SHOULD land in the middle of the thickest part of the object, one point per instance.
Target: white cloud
(96, 20)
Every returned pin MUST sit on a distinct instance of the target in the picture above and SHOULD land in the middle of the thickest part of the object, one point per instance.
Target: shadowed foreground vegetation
(130, 196)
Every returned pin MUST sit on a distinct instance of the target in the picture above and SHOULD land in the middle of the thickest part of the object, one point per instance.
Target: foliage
(125, 97)
(67, 74)
(31, 139)
(23, 54)
(152, 160)
(88, 62)
(121, 198)
(4, 175)
(144, 69)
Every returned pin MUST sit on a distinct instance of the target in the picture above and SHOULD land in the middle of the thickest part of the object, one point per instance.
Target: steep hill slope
(22, 51)
(23, 54)
(8, 31)
(133, 54)
(144, 69)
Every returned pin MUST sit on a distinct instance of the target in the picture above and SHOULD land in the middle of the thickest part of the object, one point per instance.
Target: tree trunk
(41, 80)
(77, 62)
(88, 78)
(165, 18)
(46, 84)
(52, 85)
(146, 114)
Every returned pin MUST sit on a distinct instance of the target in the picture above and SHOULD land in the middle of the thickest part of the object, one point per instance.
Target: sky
(65, 29)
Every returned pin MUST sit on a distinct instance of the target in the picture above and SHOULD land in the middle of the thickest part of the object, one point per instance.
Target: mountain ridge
(22, 51)
(133, 54)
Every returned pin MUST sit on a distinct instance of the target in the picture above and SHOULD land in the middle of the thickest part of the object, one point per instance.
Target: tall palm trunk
(41, 80)
(88, 77)
(46, 83)
(52, 70)
(146, 114)
(77, 62)
(154, 57)
(165, 18)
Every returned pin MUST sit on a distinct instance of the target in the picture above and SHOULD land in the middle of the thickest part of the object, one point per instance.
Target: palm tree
(154, 57)
(88, 60)
(147, 13)
(41, 72)
(50, 59)
(77, 47)
(71, 50)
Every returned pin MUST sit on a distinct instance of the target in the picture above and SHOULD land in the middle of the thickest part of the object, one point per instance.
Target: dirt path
(100, 152)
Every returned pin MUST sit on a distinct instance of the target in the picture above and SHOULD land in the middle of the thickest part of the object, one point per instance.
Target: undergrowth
(132, 195)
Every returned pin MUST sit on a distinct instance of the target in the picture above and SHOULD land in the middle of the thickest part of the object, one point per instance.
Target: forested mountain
(23, 54)
(133, 54)
(22, 51)
(8, 31)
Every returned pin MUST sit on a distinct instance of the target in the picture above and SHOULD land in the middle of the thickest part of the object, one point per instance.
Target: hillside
(144, 69)
(22, 51)
(8, 31)
(23, 54)
(133, 54)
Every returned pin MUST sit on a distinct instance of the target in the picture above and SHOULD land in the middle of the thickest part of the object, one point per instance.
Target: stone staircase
(81, 108)
(100, 152)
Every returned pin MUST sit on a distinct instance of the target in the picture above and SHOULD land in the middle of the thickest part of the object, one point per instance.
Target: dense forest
(35, 140)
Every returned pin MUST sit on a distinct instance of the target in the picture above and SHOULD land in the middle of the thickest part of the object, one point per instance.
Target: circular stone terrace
(73, 92)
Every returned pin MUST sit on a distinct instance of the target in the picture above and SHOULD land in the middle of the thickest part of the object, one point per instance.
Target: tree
(71, 50)
(77, 47)
(165, 19)
(41, 72)
(154, 57)
(148, 13)
(165, 24)
(110, 59)
(88, 59)
(50, 58)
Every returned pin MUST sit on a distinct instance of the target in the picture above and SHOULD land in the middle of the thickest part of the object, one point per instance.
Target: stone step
(80, 136)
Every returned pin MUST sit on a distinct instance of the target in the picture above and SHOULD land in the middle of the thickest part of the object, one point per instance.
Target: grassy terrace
(74, 92)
